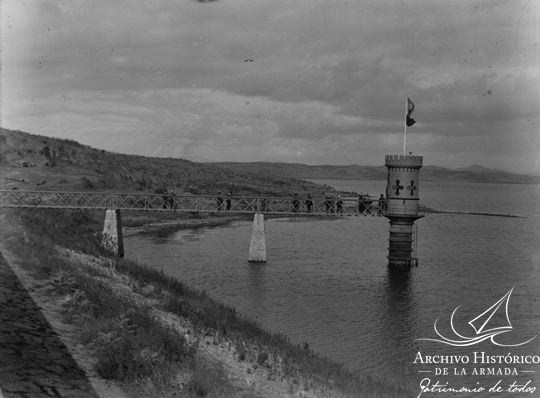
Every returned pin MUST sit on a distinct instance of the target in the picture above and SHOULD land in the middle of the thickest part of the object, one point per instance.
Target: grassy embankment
(131, 346)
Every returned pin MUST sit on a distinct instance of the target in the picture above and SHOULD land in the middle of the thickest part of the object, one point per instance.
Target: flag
(410, 108)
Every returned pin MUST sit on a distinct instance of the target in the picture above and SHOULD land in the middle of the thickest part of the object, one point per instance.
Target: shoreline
(163, 228)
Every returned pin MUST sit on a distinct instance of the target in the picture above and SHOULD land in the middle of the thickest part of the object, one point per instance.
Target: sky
(304, 81)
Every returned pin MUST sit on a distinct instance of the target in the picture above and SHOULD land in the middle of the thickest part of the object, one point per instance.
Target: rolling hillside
(33, 162)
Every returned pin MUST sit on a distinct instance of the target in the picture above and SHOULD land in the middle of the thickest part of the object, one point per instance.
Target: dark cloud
(319, 72)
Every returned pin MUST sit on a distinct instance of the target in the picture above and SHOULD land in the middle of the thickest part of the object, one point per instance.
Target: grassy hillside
(356, 172)
(33, 162)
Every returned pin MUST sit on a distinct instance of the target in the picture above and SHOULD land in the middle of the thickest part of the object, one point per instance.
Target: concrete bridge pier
(402, 207)
(112, 239)
(257, 246)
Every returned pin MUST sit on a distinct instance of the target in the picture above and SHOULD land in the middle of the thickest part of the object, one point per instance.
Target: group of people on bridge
(224, 205)
(366, 205)
(328, 203)
(169, 198)
(332, 204)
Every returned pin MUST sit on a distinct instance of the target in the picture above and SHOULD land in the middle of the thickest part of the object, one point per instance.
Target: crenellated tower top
(410, 161)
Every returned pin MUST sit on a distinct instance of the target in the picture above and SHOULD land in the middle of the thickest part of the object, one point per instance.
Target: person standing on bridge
(339, 204)
(327, 202)
(363, 204)
(164, 197)
(219, 202)
(382, 204)
(172, 198)
(228, 201)
(296, 203)
(309, 203)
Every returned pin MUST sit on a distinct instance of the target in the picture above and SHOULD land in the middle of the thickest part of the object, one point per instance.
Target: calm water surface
(326, 282)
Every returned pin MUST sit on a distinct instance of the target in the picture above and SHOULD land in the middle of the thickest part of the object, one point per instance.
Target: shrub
(86, 183)
(262, 358)
(136, 347)
(209, 380)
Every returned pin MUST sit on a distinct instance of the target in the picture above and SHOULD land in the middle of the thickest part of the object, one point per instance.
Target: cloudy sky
(310, 81)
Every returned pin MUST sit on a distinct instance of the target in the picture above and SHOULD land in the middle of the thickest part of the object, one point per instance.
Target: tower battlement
(403, 161)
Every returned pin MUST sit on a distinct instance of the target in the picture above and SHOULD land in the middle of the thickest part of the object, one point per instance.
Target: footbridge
(114, 202)
(399, 205)
(288, 206)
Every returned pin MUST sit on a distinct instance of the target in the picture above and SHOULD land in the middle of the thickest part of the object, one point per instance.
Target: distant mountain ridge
(472, 173)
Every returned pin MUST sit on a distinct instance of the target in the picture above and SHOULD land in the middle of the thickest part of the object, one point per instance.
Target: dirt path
(34, 361)
(39, 356)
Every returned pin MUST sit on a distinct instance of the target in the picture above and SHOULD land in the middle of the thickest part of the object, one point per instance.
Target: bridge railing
(192, 203)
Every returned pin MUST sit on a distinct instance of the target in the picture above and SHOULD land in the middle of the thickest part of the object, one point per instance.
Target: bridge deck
(190, 203)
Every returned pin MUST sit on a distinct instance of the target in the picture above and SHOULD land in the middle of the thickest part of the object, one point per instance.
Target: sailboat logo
(483, 326)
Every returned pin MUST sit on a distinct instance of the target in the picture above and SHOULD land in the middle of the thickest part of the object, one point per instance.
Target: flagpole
(405, 127)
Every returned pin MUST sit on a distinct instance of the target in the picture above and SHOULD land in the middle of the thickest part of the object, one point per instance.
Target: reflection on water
(256, 289)
(327, 283)
(400, 313)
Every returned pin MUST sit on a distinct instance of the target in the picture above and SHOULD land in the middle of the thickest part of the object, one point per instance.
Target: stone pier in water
(112, 239)
(257, 247)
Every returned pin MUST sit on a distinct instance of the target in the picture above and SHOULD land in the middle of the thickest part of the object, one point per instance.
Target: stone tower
(402, 188)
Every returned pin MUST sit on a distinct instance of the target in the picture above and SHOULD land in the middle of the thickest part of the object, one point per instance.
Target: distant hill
(298, 170)
(354, 172)
(33, 162)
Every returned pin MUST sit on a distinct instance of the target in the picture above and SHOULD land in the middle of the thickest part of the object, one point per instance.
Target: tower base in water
(401, 241)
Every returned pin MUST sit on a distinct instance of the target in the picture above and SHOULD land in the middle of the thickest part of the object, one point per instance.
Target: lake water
(327, 282)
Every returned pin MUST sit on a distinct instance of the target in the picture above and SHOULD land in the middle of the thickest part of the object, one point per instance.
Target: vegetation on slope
(33, 162)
